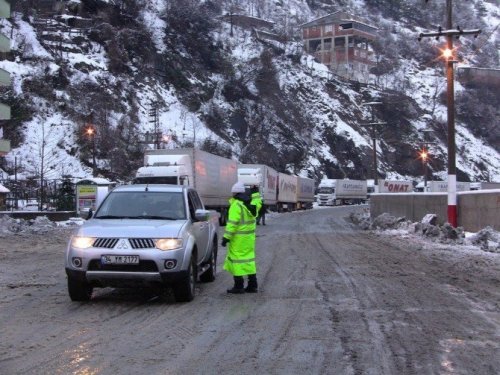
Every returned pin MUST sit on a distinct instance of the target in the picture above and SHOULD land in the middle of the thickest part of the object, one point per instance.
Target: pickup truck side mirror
(90, 214)
(201, 215)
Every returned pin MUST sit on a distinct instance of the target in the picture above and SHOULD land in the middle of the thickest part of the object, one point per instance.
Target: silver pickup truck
(154, 236)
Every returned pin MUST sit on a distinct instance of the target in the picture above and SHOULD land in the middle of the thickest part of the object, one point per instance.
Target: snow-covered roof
(337, 16)
(3, 189)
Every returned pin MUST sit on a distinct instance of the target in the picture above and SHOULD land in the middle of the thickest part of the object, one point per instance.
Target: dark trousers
(262, 216)
(238, 282)
(252, 281)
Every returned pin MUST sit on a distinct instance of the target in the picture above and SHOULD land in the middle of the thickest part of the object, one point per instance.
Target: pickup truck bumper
(121, 278)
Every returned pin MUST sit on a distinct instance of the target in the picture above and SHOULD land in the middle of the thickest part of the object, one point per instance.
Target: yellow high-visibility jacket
(256, 201)
(240, 231)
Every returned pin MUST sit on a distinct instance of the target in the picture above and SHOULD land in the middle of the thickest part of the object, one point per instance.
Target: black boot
(238, 285)
(252, 284)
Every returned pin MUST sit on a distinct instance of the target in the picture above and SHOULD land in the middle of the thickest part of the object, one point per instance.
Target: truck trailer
(395, 186)
(305, 193)
(336, 192)
(263, 176)
(287, 192)
(211, 175)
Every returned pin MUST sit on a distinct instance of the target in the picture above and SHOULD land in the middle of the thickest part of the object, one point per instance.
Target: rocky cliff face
(122, 67)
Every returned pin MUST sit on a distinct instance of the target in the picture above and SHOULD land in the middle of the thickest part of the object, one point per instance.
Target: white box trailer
(263, 176)
(305, 193)
(335, 192)
(484, 185)
(287, 192)
(395, 186)
(442, 186)
(211, 175)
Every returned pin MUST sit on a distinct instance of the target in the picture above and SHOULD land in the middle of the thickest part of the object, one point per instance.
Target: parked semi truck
(287, 192)
(484, 185)
(305, 193)
(211, 175)
(294, 192)
(263, 176)
(335, 192)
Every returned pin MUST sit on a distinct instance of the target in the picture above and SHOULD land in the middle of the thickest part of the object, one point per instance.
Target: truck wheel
(184, 290)
(79, 290)
(209, 275)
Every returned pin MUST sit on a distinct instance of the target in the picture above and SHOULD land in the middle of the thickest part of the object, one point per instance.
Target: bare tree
(44, 157)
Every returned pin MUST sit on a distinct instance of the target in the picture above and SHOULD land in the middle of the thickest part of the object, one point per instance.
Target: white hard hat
(238, 187)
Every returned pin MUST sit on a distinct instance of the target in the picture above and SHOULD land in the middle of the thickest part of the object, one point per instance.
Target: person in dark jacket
(262, 215)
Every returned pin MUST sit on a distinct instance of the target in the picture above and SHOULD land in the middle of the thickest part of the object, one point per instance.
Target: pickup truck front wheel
(209, 275)
(79, 290)
(184, 289)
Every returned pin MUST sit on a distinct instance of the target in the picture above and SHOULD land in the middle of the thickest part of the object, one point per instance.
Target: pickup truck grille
(135, 243)
(107, 243)
(141, 243)
(143, 266)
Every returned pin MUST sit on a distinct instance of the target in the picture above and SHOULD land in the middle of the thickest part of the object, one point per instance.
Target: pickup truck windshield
(143, 205)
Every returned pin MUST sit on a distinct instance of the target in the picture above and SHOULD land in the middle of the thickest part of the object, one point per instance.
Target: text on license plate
(120, 259)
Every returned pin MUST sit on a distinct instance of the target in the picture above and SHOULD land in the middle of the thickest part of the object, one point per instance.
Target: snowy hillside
(102, 64)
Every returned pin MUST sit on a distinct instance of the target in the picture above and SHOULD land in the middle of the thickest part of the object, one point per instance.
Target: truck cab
(326, 193)
(165, 169)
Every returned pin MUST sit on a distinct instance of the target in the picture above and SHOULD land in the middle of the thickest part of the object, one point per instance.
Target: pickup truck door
(201, 229)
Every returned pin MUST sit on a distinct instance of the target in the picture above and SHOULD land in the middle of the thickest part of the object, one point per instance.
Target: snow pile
(9, 225)
(487, 239)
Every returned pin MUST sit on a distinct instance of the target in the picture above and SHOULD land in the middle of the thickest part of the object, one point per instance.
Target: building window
(345, 26)
(339, 42)
(328, 28)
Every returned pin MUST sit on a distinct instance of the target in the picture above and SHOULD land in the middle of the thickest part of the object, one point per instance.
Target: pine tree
(66, 195)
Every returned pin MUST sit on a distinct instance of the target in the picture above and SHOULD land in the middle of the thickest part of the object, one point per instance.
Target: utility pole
(91, 133)
(448, 54)
(155, 120)
(373, 132)
(425, 156)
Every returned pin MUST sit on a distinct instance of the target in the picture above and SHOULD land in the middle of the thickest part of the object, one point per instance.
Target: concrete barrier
(476, 209)
(29, 215)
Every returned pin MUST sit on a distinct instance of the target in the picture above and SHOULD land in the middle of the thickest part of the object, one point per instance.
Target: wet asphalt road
(333, 300)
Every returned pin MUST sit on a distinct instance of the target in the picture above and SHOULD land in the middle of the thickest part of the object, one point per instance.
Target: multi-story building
(341, 42)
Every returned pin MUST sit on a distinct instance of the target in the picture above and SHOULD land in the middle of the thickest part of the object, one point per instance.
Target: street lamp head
(424, 155)
(90, 131)
(448, 54)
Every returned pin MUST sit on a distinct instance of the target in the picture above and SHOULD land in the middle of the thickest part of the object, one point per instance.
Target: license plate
(120, 259)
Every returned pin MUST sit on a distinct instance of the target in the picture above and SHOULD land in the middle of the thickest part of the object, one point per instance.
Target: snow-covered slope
(253, 100)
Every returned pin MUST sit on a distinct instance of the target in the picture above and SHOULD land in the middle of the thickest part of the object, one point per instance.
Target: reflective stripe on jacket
(240, 231)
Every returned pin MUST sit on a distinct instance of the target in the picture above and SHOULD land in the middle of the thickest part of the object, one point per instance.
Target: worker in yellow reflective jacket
(240, 235)
(256, 200)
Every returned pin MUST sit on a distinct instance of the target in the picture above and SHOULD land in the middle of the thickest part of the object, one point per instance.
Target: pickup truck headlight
(82, 242)
(168, 243)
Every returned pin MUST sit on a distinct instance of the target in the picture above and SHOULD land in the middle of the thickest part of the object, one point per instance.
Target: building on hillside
(341, 42)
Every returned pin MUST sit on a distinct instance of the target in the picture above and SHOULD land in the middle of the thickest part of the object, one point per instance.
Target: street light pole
(90, 131)
(373, 133)
(424, 155)
(449, 33)
(450, 100)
